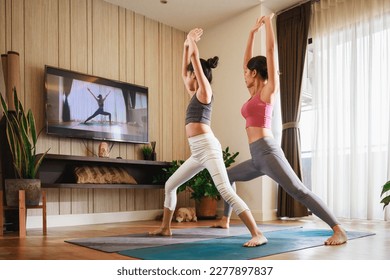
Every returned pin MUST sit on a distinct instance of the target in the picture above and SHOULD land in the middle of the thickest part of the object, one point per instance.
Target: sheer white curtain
(351, 88)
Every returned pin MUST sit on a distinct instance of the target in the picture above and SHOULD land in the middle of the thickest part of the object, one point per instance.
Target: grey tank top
(197, 112)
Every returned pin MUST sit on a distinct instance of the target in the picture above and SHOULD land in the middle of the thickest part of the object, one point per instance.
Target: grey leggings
(268, 159)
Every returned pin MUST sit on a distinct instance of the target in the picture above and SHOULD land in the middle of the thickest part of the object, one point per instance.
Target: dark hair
(259, 63)
(100, 96)
(207, 65)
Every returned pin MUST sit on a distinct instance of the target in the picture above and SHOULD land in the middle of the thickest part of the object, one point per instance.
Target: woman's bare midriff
(256, 133)
(193, 129)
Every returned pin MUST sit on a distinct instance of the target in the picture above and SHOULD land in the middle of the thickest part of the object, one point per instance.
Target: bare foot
(161, 232)
(256, 241)
(339, 236)
(222, 223)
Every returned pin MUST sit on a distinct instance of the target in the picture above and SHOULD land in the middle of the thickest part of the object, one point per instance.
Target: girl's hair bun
(213, 62)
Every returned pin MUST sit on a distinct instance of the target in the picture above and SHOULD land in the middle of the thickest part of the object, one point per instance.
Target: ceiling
(186, 14)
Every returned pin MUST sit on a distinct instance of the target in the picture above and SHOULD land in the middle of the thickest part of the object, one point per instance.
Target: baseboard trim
(120, 217)
(91, 219)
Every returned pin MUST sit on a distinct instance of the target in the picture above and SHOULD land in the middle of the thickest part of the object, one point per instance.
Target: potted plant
(386, 199)
(22, 139)
(147, 152)
(201, 186)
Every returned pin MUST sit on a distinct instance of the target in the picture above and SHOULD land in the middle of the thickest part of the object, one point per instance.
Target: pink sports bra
(257, 113)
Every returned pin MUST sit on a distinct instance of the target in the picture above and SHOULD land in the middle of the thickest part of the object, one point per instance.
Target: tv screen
(90, 107)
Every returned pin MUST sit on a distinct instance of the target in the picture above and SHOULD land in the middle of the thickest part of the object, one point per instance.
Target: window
(307, 117)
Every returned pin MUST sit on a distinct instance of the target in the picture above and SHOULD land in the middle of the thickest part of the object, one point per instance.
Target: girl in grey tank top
(206, 151)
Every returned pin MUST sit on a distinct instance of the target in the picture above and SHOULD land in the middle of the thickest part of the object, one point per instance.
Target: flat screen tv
(90, 107)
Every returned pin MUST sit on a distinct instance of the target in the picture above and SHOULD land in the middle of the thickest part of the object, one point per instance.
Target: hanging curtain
(351, 89)
(292, 32)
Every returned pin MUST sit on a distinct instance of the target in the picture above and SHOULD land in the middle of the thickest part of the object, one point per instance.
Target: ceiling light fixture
(163, 1)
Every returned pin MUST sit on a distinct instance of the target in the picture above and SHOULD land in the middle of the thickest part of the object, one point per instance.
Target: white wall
(228, 42)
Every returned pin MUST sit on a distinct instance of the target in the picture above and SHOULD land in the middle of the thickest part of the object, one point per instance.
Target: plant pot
(31, 186)
(148, 157)
(206, 208)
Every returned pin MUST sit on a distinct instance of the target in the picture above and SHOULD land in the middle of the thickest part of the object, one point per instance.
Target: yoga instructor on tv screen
(89, 107)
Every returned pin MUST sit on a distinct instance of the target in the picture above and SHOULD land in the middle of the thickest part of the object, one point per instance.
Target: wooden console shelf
(57, 171)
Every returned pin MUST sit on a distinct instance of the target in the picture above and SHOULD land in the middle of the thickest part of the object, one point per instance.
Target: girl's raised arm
(271, 85)
(204, 91)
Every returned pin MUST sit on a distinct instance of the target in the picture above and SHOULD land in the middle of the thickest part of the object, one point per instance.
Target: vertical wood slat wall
(98, 38)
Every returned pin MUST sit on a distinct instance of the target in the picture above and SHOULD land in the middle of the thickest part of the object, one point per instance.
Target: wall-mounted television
(89, 107)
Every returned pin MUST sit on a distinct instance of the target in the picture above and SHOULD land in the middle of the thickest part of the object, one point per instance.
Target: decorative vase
(31, 186)
(206, 208)
(154, 154)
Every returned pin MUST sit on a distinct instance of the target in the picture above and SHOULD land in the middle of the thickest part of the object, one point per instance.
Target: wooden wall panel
(17, 38)
(34, 58)
(78, 35)
(105, 40)
(93, 36)
(64, 27)
(167, 90)
(153, 197)
(8, 22)
(130, 46)
(3, 26)
(152, 78)
(180, 100)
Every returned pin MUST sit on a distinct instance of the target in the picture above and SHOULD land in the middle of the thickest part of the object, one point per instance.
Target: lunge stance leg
(270, 159)
(185, 172)
(244, 171)
(215, 166)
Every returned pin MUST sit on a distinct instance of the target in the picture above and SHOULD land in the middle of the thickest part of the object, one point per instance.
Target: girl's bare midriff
(256, 133)
(193, 129)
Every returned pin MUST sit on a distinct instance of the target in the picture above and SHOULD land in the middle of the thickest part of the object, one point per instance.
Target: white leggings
(206, 152)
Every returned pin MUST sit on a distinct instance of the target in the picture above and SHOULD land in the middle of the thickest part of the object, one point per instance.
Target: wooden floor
(52, 247)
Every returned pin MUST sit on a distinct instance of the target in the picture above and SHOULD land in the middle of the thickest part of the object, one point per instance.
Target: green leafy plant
(147, 151)
(386, 199)
(167, 172)
(22, 139)
(201, 184)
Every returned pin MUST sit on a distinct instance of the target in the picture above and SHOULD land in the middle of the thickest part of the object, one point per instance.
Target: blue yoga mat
(230, 248)
(111, 244)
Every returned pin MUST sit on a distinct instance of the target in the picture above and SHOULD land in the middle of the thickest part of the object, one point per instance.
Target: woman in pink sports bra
(267, 156)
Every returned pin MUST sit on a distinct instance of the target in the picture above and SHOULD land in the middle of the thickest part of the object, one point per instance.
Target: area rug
(230, 248)
(111, 244)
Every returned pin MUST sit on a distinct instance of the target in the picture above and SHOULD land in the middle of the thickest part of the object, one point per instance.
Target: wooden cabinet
(57, 171)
